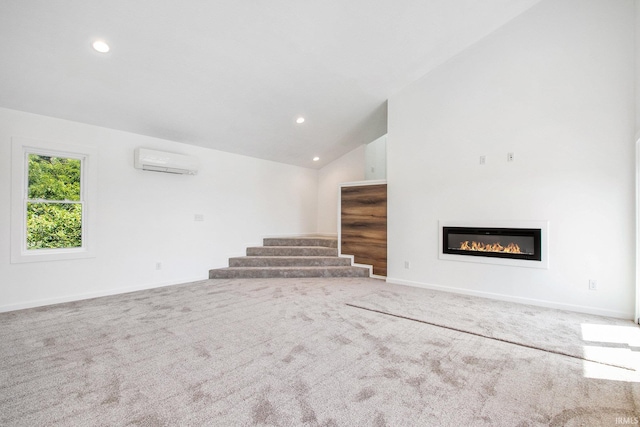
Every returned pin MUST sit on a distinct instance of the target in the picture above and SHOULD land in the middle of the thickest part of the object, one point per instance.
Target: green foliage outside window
(52, 225)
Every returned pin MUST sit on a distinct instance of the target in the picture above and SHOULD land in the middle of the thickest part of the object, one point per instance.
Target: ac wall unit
(160, 161)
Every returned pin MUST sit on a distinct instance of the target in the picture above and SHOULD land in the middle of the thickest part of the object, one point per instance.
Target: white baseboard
(520, 300)
(90, 295)
(370, 267)
(355, 264)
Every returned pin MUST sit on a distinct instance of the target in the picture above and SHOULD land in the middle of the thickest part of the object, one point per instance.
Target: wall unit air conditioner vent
(161, 161)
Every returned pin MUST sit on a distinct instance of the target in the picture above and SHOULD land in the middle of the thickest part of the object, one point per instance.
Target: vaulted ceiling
(234, 75)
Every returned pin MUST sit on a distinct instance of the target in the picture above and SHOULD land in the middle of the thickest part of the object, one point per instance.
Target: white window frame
(20, 150)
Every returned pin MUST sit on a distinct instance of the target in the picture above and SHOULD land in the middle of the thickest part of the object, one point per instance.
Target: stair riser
(291, 251)
(288, 262)
(291, 258)
(268, 273)
(301, 241)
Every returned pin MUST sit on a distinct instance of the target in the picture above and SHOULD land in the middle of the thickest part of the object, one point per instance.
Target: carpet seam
(560, 353)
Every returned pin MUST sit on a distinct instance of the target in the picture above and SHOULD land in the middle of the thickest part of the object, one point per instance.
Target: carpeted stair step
(289, 251)
(287, 272)
(283, 261)
(305, 256)
(329, 242)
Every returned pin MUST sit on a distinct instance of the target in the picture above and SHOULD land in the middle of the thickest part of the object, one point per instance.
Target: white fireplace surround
(544, 245)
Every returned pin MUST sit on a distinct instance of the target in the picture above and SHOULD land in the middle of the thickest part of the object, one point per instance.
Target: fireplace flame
(512, 248)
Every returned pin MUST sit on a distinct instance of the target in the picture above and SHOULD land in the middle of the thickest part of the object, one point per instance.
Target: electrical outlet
(483, 160)
(158, 266)
(593, 285)
(198, 217)
(407, 265)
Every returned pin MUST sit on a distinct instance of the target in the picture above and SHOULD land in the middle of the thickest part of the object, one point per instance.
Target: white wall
(556, 87)
(637, 69)
(147, 217)
(348, 168)
(637, 72)
(375, 159)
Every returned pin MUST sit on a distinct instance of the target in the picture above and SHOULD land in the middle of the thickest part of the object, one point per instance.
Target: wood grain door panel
(363, 219)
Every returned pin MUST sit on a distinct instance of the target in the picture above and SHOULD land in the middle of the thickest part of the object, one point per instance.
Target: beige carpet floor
(313, 352)
(563, 332)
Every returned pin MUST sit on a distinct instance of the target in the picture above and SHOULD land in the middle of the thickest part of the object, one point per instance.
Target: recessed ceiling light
(100, 46)
(300, 120)
(316, 158)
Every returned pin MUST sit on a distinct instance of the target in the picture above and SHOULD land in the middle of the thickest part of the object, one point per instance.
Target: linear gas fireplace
(493, 242)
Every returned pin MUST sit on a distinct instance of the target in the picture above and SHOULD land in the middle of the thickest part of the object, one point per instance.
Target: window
(52, 208)
(54, 202)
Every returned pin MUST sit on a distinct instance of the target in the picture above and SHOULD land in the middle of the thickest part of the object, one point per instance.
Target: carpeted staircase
(291, 257)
